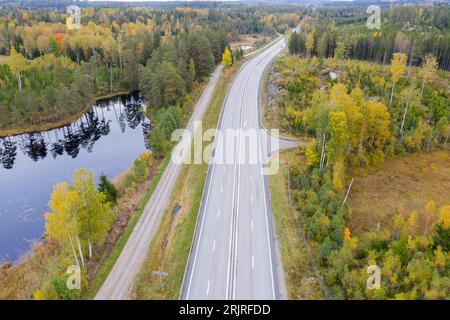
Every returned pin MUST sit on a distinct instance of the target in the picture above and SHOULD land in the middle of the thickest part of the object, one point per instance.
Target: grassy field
(250, 40)
(301, 281)
(401, 185)
(170, 247)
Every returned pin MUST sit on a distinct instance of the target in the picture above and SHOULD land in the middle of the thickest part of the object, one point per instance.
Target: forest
(414, 30)
(49, 74)
(356, 114)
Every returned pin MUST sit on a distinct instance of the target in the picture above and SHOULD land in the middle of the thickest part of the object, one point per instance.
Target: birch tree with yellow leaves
(80, 217)
(398, 69)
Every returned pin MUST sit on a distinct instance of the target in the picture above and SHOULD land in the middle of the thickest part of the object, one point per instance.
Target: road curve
(118, 282)
(234, 250)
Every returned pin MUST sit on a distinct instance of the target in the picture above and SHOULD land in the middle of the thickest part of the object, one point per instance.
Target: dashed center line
(251, 199)
(253, 262)
(207, 289)
(218, 213)
(252, 225)
(214, 246)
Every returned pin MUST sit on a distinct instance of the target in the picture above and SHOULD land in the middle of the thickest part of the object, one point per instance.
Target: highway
(234, 253)
(117, 284)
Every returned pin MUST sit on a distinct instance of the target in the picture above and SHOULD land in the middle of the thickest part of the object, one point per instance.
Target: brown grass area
(22, 280)
(400, 185)
(248, 40)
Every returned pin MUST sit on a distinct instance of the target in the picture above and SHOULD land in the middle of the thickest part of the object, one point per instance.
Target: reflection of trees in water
(8, 152)
(33, 145)
(146, 127)
(82, 134)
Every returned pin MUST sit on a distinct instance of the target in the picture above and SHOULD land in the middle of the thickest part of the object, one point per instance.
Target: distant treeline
(413, 30)
(50, 73)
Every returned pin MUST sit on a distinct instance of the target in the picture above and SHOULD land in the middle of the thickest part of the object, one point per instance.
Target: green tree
(309, 44)
(429, 66)
(191, 68)
(337, 125)
(53, 46)
(442, 129)
(200, 51)
(340, 51)
(173, 86)
(108, 189)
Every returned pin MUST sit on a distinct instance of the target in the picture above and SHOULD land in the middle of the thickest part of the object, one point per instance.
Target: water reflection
(81, 134)
(107, 139)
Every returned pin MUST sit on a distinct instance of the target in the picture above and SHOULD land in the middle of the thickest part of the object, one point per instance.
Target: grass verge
(301, 280)
(169, 250)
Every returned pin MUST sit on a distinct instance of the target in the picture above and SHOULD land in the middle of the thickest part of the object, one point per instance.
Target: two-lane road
(234, 253)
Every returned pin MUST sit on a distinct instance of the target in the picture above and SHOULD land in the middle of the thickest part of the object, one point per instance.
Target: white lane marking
(221, 188)
(245, 124)
(214, 246)
(251, 199)
(251, 178)
(218, 213)
(207, 289)
(200, 234)
(266, 218)
(253, 262)
(252, 225)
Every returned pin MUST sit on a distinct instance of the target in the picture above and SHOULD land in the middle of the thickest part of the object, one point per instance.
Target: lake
(106, 139)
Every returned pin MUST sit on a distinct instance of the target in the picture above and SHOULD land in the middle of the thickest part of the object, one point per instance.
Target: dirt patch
(249, 40)
(400, 185)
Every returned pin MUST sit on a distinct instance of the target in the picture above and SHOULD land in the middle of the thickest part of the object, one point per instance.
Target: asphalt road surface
(234, 251)
(117, 284)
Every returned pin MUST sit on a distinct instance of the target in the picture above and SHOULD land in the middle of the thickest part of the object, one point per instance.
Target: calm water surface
(106, 140)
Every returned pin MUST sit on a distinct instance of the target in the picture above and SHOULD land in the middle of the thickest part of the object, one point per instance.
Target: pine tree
(108, 189)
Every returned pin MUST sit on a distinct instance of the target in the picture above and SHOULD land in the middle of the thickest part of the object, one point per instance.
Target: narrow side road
(118, 282)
